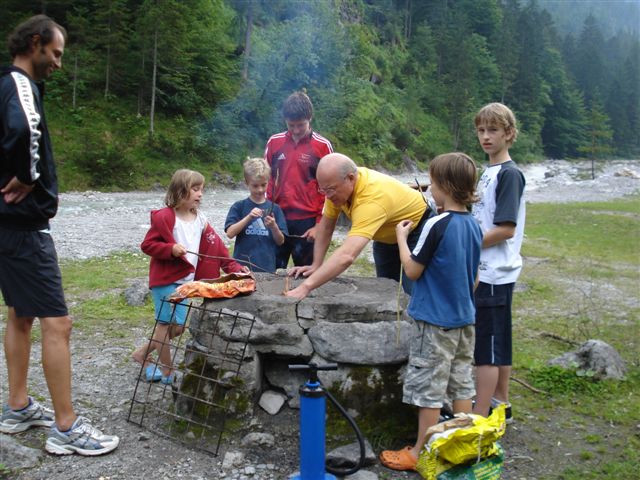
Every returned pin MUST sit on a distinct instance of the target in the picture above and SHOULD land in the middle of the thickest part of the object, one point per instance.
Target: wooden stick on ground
(530, 387)
(559, 338)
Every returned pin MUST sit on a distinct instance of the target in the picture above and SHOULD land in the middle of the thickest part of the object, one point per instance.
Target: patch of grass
(94, 290)
(599, 230)
(580, 281)
(84, 277)
(110, 312)
(557, 380)
(5, 471)
(622, 466)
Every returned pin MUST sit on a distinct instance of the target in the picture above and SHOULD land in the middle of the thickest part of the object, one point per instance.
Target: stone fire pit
(358, 323)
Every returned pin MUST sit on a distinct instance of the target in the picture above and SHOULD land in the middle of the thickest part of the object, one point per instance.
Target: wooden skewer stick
(287, 284)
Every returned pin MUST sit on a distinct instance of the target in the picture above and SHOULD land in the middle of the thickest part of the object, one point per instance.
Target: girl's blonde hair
(500, 115)
(256, 168)
(180, 187)
(456, 174)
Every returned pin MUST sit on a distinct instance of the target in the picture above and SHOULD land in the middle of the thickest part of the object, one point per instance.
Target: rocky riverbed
(92, 224)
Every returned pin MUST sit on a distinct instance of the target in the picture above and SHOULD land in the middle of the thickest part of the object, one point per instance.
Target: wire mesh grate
(206, 390)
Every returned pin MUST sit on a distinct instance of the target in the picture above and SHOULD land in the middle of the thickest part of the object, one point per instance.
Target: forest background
(149, 86)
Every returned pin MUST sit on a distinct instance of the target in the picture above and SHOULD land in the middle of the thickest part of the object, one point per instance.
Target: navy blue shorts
(30, 277)
(493, 324)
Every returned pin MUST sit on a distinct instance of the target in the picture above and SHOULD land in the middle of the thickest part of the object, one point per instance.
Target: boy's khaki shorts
(440, 365)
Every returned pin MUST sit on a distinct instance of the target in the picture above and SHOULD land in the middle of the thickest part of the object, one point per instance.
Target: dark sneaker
(445, 414)
(507, 411)
(82, 438)
(34, 415)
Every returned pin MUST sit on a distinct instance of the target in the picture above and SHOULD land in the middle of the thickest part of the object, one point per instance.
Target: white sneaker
(34, 415)
(82, 438)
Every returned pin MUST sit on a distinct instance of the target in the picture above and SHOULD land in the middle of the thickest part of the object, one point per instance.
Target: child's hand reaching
(178, 250)
(403, 228)
(256, 212)
(269, 221)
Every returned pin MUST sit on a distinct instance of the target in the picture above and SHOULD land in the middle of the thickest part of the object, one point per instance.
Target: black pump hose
(360, 464)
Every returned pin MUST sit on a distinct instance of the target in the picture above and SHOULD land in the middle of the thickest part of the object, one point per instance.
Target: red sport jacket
(293, 168)
(165, 269)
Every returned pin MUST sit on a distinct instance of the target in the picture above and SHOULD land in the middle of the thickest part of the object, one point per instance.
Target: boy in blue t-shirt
(444, 266)
(258, 223)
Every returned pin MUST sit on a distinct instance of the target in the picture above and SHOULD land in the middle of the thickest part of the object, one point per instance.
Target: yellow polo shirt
(378, 203)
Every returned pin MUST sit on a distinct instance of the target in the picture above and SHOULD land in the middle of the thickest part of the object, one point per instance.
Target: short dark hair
(297, 106)
(19, 41)
(455, 173)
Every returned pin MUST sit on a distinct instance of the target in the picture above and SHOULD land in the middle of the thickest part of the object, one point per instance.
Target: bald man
(375, 203)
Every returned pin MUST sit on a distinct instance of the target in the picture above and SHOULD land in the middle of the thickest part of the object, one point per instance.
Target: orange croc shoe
(399, 459)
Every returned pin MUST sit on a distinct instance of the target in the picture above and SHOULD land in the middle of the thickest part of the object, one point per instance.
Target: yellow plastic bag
(462, 445)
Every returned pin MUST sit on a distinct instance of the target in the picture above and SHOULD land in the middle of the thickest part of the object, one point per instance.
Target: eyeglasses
(327, 191)
(331, 190)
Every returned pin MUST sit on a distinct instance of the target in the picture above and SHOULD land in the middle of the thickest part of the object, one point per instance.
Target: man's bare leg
(17, 349)
(56, 362)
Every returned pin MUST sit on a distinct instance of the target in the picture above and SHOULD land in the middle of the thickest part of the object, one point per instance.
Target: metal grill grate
(206, 392)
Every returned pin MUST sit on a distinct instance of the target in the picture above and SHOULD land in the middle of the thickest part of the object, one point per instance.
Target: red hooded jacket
(165, 269)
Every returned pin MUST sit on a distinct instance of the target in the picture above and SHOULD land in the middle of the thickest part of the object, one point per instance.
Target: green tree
(590, 67)
(599, 133)
(565, 119)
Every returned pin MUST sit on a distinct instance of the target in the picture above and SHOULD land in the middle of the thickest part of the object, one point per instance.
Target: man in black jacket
(30, 277)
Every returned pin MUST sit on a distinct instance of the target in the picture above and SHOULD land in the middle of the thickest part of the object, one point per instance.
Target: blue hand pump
(312, 424)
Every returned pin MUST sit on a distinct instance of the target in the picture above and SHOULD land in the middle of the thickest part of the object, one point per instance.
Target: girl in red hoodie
(176, 231)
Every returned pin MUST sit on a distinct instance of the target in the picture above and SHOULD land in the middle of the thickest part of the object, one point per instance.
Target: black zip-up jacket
(25, 152)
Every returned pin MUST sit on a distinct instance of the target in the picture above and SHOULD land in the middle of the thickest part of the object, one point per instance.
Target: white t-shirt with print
(189, 234)
(501, 192)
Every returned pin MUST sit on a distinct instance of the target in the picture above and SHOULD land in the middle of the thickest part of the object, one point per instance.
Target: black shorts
(493, 324)
(30, 278)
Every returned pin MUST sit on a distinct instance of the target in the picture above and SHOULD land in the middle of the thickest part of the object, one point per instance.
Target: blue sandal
(153, 373)
(169, 379)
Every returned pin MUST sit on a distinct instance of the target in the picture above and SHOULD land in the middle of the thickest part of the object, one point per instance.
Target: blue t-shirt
(255, 244)
(449, 247)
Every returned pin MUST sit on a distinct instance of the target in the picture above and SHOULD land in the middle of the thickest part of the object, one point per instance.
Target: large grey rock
(303, 348)
(595, 356)
(136, 293)
(378, 343)
(16, 456)
(349, 455)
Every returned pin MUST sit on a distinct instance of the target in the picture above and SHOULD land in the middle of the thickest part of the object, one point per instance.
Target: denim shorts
(440, 366)
(168, 312)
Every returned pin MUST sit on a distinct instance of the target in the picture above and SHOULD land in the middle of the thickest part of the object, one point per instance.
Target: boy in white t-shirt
(501, 213)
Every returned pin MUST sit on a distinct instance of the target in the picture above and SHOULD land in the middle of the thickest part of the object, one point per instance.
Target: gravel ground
(93, 224)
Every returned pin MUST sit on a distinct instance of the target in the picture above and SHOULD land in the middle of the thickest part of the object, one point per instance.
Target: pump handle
(313, 366)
